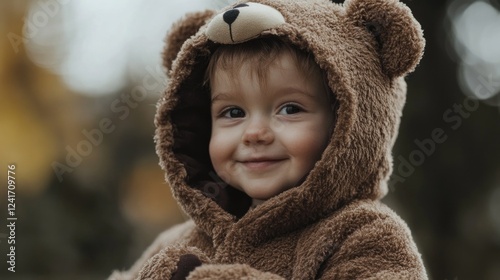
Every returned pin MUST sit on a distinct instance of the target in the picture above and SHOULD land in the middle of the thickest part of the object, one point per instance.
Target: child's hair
(260, 53)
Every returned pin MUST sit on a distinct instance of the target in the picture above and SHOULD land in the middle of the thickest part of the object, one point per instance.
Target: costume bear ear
(399, 36)
(180, 32)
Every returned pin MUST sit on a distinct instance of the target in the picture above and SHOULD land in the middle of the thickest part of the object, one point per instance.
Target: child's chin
(262, 193)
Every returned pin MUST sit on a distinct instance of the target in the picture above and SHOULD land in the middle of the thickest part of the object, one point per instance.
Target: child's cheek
(306, 141)
(223, 142)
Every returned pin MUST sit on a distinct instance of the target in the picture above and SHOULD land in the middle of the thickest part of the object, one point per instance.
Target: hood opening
(191, 120)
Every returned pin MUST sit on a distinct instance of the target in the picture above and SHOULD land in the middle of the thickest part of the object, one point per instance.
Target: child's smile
(267, 134)
(261, 164)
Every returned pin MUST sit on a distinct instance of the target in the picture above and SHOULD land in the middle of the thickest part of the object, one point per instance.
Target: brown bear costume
(332, 226)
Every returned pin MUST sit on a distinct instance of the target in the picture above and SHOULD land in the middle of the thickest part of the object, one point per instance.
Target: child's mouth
(261, 164)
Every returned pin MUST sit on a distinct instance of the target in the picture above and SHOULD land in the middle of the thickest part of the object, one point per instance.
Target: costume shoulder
(365, 239)
(175, 235)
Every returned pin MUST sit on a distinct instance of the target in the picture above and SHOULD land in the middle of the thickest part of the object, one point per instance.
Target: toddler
(275, 133)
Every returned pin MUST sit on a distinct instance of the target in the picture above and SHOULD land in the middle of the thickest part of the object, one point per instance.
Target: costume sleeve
(383, 249)
(165, 264)
(171, 236)
(230, 272)
(178, 262)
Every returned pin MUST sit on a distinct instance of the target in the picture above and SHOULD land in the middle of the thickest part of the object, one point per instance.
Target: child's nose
(258, 133)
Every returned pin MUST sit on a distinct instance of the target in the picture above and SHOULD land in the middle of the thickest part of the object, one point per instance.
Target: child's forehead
(229, 59)
(258, 67)
(252, 61)
(282, 78)
(254, 69)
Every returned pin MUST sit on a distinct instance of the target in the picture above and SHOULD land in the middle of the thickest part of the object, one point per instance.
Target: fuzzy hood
(365, 47)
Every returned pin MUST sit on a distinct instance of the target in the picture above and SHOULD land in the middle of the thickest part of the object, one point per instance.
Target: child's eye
(290, 109)
(233, 113)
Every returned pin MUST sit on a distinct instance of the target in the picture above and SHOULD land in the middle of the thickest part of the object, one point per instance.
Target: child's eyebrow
(289, 90)
(295, 90)
(220, 96)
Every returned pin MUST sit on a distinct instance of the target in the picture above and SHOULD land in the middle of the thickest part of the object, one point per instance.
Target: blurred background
(79, 81)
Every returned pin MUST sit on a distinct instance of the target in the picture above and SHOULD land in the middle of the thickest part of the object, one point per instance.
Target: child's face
(267, 136)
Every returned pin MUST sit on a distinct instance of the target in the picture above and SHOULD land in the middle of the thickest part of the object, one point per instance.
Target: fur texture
(332, 226)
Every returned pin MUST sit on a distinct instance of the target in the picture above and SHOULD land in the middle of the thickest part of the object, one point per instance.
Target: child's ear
(399, 36)
(182, 30)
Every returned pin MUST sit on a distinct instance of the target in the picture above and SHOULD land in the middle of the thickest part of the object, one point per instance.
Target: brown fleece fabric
(333, 225)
